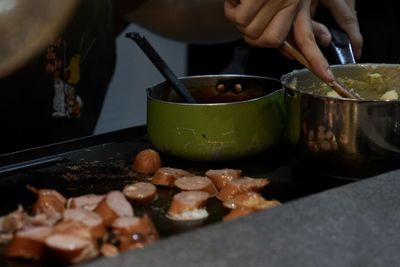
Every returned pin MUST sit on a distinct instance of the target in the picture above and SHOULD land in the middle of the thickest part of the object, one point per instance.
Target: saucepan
(235, 116)
(345, 137)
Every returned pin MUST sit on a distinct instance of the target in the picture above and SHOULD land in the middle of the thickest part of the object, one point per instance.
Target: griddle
(101, 163)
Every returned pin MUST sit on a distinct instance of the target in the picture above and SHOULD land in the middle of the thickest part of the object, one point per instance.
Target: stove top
(102, 163)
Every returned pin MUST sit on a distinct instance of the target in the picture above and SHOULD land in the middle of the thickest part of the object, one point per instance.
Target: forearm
(194, 21)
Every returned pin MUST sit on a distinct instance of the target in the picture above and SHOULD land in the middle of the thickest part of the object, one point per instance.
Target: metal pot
(344, 137)
(223, 125)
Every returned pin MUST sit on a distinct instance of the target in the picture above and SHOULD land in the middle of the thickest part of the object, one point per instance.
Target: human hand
(345, 15)
(264, 23)
(268, 23)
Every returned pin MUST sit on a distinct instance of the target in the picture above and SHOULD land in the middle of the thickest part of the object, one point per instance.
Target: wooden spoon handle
(335, 85)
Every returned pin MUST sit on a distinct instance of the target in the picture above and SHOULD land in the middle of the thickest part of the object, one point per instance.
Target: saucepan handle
(341, 47)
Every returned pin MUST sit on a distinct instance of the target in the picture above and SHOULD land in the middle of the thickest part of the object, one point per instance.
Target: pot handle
(341, 47)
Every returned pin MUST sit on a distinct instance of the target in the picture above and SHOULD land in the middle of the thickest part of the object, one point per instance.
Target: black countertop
(322, 222)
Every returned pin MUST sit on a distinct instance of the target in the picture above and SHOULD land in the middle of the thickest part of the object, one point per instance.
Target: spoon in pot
(159, 63)
(342, 90)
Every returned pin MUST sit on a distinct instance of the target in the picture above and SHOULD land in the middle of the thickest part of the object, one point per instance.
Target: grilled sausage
(147, 161)
(140, 193)
(29, 244)
(222, 177)
(114, 205)
(88, 202)
(70, 249)
(108, 250)
(250, 199)
(92, 220)
(13, 221)
(196, 183)
(49, 202)
(240, 211)
(71, 242)
(134, 232)
(188, 205)
(242, 185)
(166, 176)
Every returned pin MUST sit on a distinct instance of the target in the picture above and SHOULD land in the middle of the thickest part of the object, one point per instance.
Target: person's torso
(59, 94)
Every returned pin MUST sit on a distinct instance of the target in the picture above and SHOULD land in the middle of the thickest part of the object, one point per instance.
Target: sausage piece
(13, 221)
(29, 244)
(49, 202)
(114, 205)
(166, 176)
(92, 220)
(251, 200)
(188, 205)
(147, 161)
(222, 177)
(88, 202)
(140, 193)
(242, 185)
(134, 232)
(70, 248)
(196, 183)
(238, 212)
(108, 250)
(71, 242)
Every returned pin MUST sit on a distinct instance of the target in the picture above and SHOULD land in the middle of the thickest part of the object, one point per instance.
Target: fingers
(345, 16)
(305, 41)
(321, 34)
(243, 13)
(264, 23)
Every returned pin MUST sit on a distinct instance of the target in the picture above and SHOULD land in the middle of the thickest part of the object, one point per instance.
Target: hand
(267, 23)
(264, 23)
(345, 15)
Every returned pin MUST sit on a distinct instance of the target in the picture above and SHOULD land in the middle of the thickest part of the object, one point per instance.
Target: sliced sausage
(147, 161)
(242, 185)
(240, 211)
(73, 228)
(166, 176)
(196, 183)
(29, 244)
(71, 242)
(88, 202)
(13, 221)
(140, 193)
(250, 199)
(134, 232)
(49, 202)
(114, 205)
(222, 177)
(108, 250)
(40, 219)
(69, 248)
(188, 205)
(92, 220)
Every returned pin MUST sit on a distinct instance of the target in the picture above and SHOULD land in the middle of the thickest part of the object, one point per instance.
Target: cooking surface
(101, 167)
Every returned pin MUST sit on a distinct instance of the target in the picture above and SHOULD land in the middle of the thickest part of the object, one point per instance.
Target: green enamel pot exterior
(215, 131)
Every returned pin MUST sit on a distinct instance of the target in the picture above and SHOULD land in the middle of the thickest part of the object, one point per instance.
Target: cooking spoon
(335, 85)
(159, 63)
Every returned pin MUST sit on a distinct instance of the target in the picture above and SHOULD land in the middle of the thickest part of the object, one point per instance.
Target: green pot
(222, 126)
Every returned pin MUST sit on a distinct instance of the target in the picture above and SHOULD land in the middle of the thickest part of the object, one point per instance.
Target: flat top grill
(102, 163)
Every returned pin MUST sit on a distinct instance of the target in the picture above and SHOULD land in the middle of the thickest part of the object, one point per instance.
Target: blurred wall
(125, 103)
